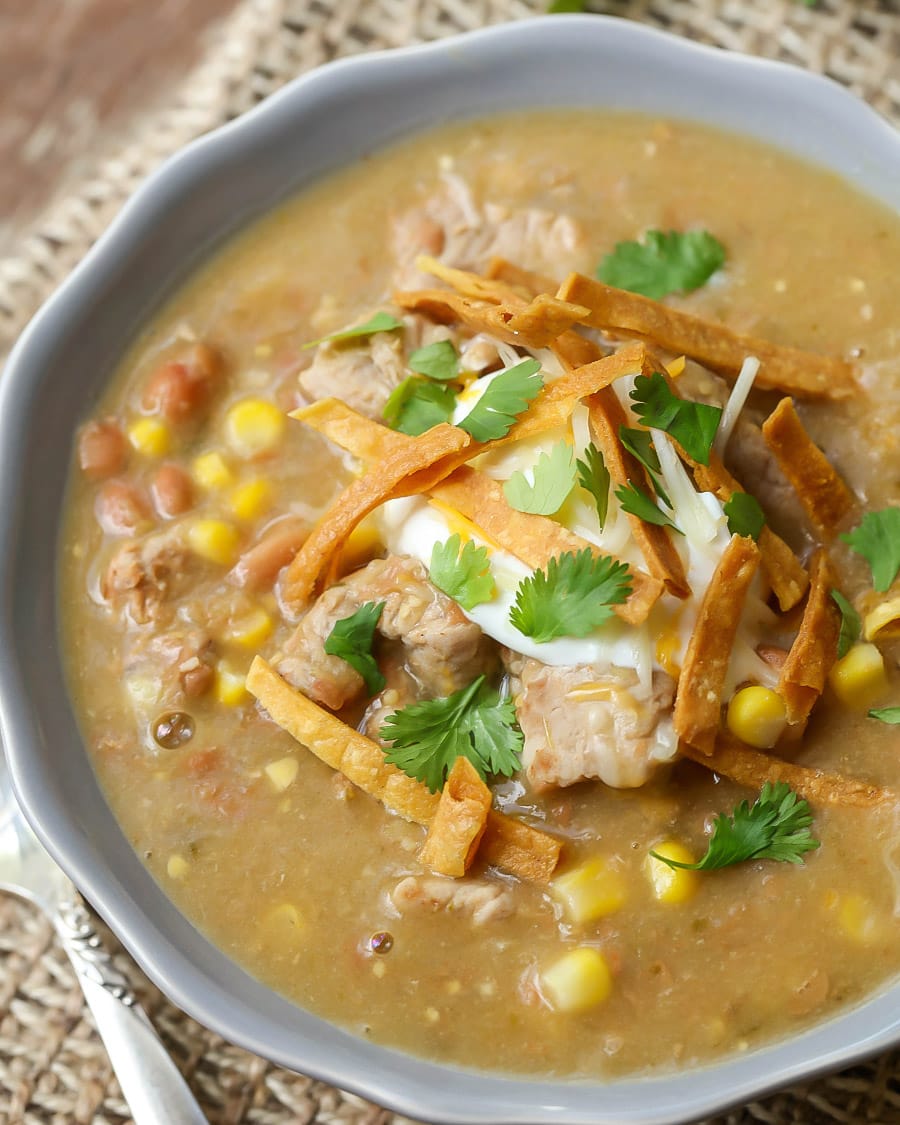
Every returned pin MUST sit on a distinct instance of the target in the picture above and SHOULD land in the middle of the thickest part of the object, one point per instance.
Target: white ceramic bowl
(330, 118)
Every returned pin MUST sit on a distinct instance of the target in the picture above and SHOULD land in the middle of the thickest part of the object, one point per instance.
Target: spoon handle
(152, 1085)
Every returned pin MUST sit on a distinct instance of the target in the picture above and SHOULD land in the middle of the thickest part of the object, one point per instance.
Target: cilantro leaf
(593, 475)
(638, 503)
(351, 640)
(877, 539)
(418, 404)
(462, 575)
(665, 262)
(554, 478)
(475, 723)
(557, 6)
(886, 714)
(380, 322)
(639, 444)
(571, 598)
(745, 516)
(436, 361)
(692, 424)
(506, 397)
(775, 826)
(851, 625)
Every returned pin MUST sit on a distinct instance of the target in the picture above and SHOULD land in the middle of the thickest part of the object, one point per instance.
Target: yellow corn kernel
(150, 437)
(676, 367)
(756, 715)
(251, 630)
(282, 772)
(577, 981)
(857, 919)
(671, 884)
(214, 540)
(248, 501)
(230, 687)
(859, 679)
(253, 426)
(591, 890)
(210, 471)
(177, 867)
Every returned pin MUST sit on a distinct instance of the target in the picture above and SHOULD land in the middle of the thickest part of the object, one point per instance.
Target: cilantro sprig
(351, 640)
(775, 826)
(639, 444)
(665, 262)
(507, 395)
(426, 738)
(692, 424)
(574, 596)
(553, 480)
(851, 624)
(593, 476)
(415, 405)
(877, 539)
(437, 361)
(424, 399)
(633, 499)
(380, 322)
(745, 516)
(886, 714)
(463, 575)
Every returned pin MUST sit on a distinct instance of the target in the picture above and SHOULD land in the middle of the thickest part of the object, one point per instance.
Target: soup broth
(310, 883)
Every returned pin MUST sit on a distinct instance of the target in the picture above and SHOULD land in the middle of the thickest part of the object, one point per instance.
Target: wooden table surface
(72, 73)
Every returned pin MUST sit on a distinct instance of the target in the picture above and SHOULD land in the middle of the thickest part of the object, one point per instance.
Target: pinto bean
(181, 390)
(258, 567)
(101, 449)
(120, 508)
(172, 490)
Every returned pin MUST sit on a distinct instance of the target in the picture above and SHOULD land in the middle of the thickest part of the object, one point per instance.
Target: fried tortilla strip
(497, 291)
(403, 472)
(815, 648)
(516, 847)
(826, 500)
(507, 843)
(499, 269)
(370, 441)
(533, 539)
(663, 561)
(754, 768)
(534, 325)
(358, 758)
(782, 569)
(555, 403)
(882, 617)
(715, 346)
(698, 699)
(459, 822)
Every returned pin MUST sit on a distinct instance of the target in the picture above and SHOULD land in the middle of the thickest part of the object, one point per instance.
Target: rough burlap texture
(53, 1067)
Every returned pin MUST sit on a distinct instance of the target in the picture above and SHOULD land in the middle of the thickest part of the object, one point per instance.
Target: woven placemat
(53, 1068)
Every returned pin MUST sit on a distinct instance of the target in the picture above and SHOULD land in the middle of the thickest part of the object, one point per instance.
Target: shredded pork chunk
(145, 574)
(444, 650)
(585, 722)
(479, 899)
(450, 226)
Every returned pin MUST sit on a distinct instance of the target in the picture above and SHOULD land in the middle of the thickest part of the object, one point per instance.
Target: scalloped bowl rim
(75, 824)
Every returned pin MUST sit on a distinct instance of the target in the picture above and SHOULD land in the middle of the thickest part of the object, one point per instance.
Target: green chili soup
(192, 493)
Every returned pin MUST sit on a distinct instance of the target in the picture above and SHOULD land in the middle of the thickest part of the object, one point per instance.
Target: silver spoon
(154, 1089)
